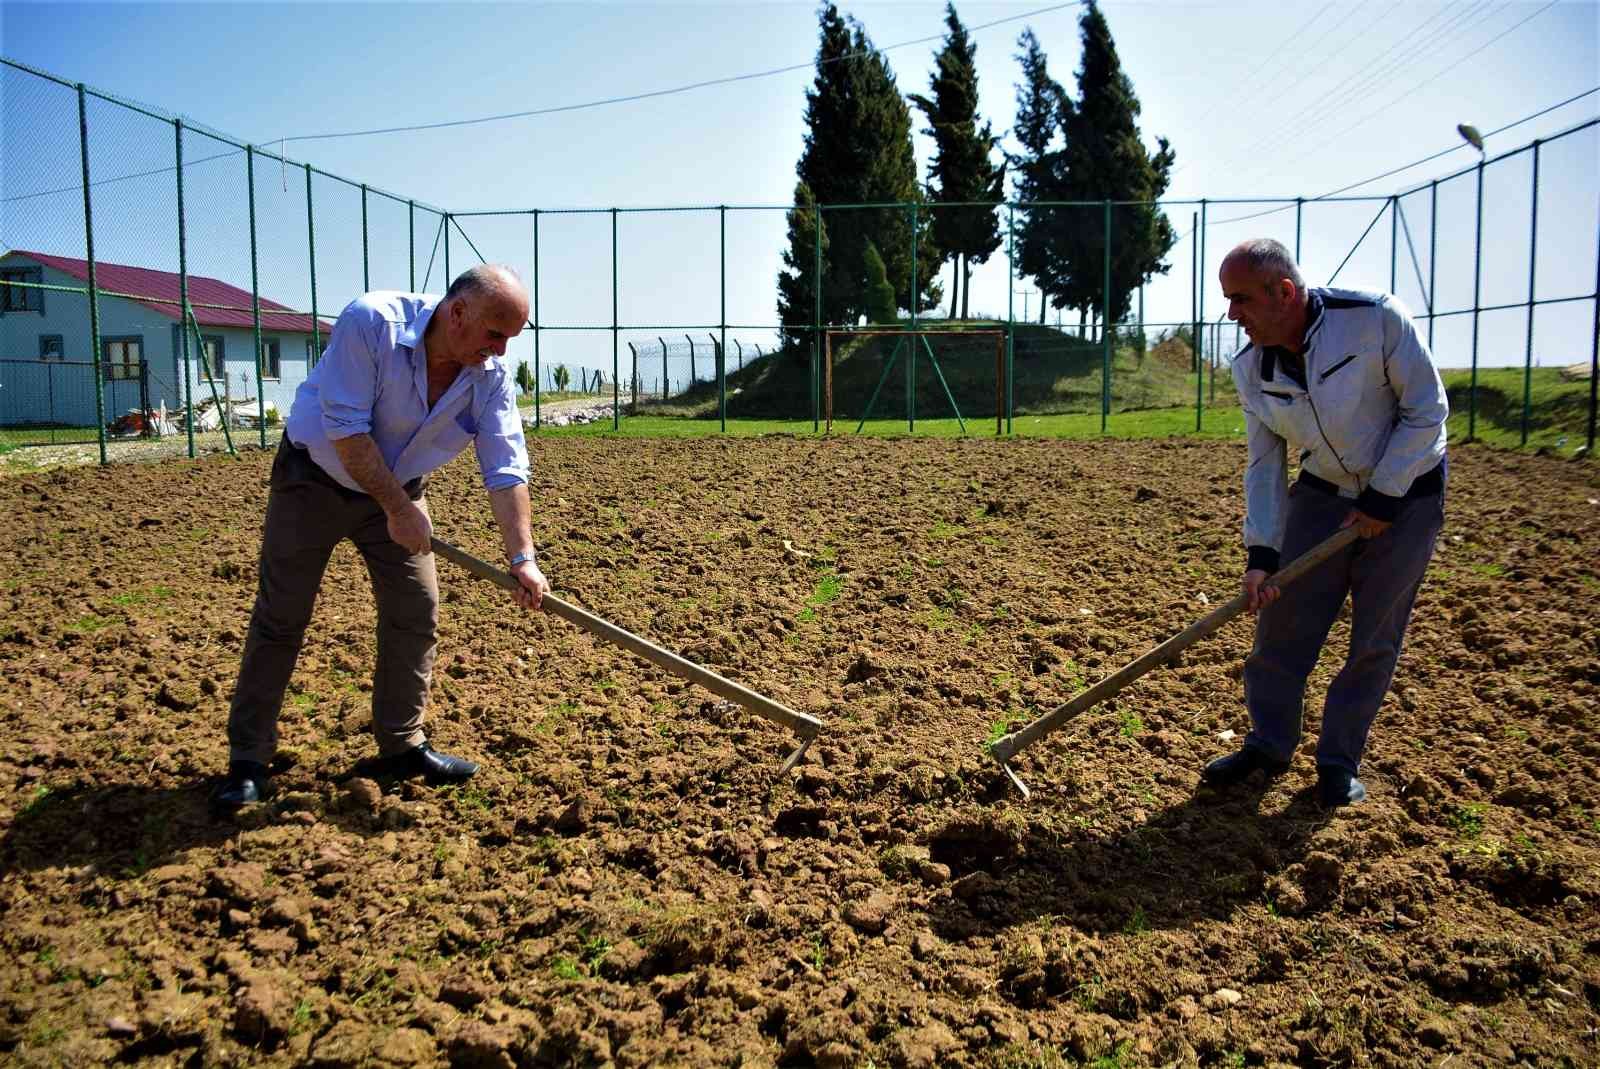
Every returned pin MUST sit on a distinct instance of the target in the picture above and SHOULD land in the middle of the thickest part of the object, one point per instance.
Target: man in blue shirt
(407, 382)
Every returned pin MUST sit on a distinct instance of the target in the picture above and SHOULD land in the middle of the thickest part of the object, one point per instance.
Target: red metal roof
(121, 278)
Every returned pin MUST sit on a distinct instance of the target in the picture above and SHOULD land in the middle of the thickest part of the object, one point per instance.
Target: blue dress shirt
(373, 379)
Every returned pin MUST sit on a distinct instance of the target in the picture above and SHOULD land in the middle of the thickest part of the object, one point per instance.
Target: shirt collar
(411, 337)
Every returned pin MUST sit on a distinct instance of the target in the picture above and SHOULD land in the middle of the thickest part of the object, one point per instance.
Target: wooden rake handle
(800, 723)
(1010, 745)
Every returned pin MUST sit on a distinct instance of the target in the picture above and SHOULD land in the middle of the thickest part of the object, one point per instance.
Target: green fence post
(1477, 284)
(96, 363)
(1433, 257)
(616, 396)
(255, 294)
(911, 363)
(816, 326)
(1194, 312)
(1105, 329)
(537, 382)
(411, 246)
(444, 224)
(1533, 255)
(722, 349)
(311, 246)
(1011, 273)
(666, 387)
(1200, 318)
(183, 293)
(1594, 353)
(1299, 204)
(366, 271)
(1394, 236)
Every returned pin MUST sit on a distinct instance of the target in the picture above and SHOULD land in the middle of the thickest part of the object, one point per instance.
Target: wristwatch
(523, 558)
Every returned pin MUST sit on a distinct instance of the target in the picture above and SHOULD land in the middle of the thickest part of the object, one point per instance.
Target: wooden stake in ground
(1004, 749)
(805, 726)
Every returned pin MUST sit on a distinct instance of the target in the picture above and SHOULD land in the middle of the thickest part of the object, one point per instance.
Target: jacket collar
(1271, 355)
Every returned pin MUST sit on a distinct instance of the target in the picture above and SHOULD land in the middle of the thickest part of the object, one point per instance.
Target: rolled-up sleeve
(502, 450)
(348, 374)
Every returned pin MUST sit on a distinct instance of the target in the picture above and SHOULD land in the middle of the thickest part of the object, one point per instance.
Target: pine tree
(858, 150)
(1105, 159)
(961, 170)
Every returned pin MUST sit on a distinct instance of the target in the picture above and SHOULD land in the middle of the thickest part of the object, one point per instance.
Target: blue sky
(1259, 99)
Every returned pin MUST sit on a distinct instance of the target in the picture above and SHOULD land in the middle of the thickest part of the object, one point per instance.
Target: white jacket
(1370, 420)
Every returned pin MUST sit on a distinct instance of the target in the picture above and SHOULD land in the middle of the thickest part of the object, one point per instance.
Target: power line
(661, 92)
(1414, 163)
(1298, 129)
(1331, 139)
(1249, 79)
(1435, 77)
(1308, 52)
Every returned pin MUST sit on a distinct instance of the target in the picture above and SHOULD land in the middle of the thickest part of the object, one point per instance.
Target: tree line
(875, 261)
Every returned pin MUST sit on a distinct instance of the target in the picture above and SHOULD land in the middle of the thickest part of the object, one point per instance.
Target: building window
(123, 357)
(16, 292)
(271, 359)
(51, 347)
(212, 363)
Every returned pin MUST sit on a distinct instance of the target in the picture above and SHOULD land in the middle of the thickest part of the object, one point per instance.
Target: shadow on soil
(124, 830)
(1196, 861)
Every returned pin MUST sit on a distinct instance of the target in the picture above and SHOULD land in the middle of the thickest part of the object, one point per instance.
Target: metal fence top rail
(204, 130)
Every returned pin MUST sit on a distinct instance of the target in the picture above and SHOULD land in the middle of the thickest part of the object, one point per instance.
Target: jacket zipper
(1318, 417)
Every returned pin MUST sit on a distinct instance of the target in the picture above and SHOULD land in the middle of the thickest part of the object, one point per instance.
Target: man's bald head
(484, 308)
(1266, 293)
(488, 281)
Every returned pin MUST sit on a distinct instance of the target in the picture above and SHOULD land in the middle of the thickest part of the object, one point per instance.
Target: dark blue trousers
(1381, 577)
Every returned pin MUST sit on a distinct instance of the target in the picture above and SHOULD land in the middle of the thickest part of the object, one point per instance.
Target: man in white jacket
(1343, 377)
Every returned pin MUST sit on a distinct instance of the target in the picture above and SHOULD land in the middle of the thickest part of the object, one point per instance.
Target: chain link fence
(163, 282)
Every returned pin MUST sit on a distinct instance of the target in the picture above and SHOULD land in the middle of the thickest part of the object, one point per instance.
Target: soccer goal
(860, 348)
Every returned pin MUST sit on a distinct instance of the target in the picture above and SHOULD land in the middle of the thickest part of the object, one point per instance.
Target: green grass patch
(826, 591)
(1467, 820)
(1557, 408)
(142, 596)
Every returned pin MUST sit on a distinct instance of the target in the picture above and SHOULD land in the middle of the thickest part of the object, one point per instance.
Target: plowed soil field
(631, 881)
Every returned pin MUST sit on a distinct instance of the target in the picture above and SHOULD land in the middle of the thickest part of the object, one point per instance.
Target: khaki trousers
(308, 514)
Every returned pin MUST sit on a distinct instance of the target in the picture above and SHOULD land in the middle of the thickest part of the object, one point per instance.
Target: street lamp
(1470, 133)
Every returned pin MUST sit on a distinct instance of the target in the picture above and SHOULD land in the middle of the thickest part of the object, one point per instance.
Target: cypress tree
(1105, 159)
(797, 282)
(858, 149)
(881, 309)
(961, 170)
(1043, 108)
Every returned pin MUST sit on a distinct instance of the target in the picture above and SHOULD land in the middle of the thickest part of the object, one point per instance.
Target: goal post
(907, 342)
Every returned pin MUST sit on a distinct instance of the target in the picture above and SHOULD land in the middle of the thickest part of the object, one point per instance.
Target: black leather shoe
(246, 782)
(437, 769)
(1237, 767)
(1336, 787)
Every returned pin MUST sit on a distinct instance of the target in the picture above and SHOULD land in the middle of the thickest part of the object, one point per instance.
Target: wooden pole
(1010, 745)
(800, 723)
